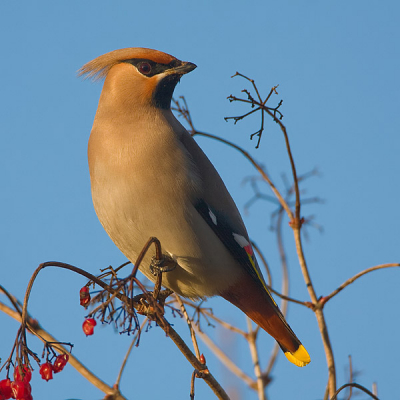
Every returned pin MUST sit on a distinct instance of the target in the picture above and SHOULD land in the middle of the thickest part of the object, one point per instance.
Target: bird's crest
(100, 66)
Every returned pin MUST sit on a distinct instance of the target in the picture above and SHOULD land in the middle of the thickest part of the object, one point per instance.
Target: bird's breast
(144, 184)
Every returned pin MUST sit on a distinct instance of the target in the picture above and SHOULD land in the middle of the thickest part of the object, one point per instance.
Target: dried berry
(60, 363)
(22, 373)
(20, 389)
(88, 326)
(84, 296)
(46, 371)
(5, 389)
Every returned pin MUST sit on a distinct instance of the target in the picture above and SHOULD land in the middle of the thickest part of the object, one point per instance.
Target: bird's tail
(257, 303)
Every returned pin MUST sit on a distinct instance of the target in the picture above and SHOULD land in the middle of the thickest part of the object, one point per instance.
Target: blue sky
(337, 65)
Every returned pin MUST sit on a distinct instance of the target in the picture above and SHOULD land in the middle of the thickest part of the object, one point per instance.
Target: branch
(255, 165)
(225, 359)
(356, 385)
(296, 222)
(184, 112)
(134, 340)
(189, 322)
(355, 277)
(252, 341)
(196, 364)
(93, 379)
(153, 309)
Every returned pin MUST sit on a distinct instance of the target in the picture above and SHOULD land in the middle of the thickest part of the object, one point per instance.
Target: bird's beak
(184, 68)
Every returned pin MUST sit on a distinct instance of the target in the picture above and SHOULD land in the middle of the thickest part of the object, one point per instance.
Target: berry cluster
(20, 388)
(46, 370)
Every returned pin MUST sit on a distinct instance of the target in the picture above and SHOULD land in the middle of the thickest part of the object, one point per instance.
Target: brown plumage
(100, 66)
(150, 178)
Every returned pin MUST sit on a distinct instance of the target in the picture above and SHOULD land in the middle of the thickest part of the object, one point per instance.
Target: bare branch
(189, 322)
(264, 262)
(350, 378)
(93, 379)
(355, 277)
(182, 346)
(356, 385)
(252, 341)
(256, 166)
(225, 359)
(134, 341)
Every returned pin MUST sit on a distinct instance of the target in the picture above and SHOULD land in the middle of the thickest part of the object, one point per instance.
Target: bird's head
(137, 77)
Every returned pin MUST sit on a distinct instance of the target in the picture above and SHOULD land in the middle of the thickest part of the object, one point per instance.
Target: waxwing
(149, 178)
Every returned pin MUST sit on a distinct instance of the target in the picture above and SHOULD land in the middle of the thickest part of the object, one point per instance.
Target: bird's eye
(144, 68)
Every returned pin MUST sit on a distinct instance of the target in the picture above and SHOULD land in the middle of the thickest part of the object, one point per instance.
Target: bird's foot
(145, 305)
(166, 264)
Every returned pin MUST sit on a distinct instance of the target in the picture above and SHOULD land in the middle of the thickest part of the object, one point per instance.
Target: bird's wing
(217, 208)
(236, 242)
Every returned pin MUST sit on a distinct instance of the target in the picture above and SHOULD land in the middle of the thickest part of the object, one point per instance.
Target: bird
(150, 178)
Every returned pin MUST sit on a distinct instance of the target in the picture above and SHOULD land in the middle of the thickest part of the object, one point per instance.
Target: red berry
(22, 373)
(46, 371)
(60, 363)
(88, 326)
(5, 389)
(20, 389)
(84, 296)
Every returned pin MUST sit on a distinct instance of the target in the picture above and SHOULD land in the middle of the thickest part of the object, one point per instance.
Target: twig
(210, 315)
(157, 316)
(192, 385)
(225, 359)
(296, 223)
(121, 370)
(355, 277)
(285, 287)
(189, 322)
(287, 298)
(186, 115)
(356, 385)
(255, 165)
(93, 379)
(375, 389)
(264, 262)
(350, 378)
(182, 346)
(319, 315)
(252, 341)
(224, 324)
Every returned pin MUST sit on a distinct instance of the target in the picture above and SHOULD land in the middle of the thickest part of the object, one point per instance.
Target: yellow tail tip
(300, 357)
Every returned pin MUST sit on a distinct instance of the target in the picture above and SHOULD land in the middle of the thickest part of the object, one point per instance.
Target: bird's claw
(165, 264)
